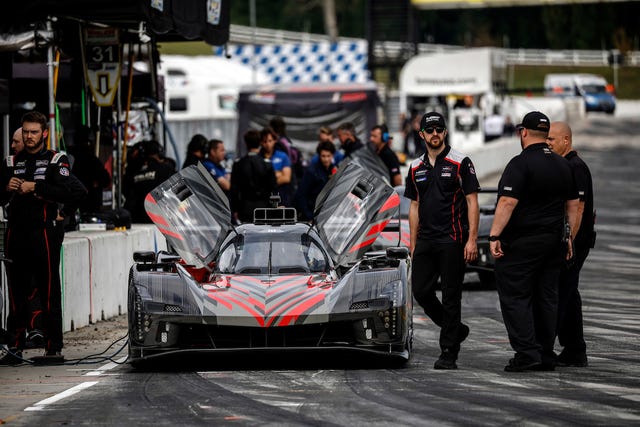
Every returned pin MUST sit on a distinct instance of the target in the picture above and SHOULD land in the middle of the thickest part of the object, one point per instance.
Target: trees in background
(603, 25)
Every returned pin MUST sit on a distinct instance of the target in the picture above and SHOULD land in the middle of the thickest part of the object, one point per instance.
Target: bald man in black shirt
(570, 330)
(535, 194)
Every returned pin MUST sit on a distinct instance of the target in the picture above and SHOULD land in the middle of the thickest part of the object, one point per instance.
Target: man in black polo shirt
(380, 139)
(570, 331)
(443, 221)
(526, 240)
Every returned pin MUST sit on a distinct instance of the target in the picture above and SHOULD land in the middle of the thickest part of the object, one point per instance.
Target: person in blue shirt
(214, 164)
(325, 133)
(314, 179)
(281, 164)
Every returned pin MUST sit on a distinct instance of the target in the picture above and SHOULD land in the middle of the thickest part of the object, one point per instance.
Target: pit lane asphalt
(313, 391)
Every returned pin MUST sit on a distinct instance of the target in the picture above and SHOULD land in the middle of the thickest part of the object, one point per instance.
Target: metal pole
(252, 17)
(52, 102)
(117, 175)
(6, 135)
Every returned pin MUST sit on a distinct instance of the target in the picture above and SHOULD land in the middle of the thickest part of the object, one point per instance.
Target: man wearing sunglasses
(443, 221)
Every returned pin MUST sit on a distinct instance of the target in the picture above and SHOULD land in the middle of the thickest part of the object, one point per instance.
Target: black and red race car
(274, 284)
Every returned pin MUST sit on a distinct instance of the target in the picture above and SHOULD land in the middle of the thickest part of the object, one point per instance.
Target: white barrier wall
(493, 156)
(94, 271)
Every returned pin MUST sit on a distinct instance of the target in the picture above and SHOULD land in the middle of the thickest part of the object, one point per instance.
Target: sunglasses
(430, 130)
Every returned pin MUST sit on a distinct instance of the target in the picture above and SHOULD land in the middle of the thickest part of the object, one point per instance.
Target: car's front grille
(202, 336)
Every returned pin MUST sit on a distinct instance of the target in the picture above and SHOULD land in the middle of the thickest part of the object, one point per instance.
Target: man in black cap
(443, 222)
(536, 193)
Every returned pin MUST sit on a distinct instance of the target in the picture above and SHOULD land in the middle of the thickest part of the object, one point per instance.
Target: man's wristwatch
(494, 238)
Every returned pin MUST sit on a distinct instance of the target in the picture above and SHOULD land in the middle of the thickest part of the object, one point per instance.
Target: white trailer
(201, 93)
(436, 81)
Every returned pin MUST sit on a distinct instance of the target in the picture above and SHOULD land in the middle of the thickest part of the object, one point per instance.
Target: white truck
(594, 90)
(437, 81)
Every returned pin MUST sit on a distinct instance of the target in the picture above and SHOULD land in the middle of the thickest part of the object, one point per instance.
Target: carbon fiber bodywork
(273, 286)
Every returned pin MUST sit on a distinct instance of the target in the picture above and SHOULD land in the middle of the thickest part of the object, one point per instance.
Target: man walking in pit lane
(443, 222)
(570, 330)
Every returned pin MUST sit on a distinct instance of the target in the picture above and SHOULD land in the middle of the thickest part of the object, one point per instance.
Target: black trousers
(527, 283)
(35, 296)
(570, 329)
(445, 261)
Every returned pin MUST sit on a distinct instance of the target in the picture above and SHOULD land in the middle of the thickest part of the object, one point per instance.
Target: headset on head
(385, 136)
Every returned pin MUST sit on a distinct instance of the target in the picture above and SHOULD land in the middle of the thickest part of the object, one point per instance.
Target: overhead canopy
(207, 20)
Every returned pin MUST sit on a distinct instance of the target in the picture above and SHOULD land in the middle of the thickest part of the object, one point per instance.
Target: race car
(485, 263)
(275, 284)
(397, 233)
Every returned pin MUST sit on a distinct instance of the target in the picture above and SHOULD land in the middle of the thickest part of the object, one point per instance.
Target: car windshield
(594, 88)
(278, 253)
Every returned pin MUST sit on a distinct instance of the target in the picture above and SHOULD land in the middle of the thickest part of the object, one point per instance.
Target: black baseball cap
(535, 120)
(432, 119)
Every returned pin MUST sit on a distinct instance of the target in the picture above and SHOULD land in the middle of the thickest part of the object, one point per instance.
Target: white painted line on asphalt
(624, 248)
(630, 393)
(70, 392)
(105, 367)
(76, 389)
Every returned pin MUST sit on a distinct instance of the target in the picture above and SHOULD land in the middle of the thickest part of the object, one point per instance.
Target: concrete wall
(94, 271)
(493, 156)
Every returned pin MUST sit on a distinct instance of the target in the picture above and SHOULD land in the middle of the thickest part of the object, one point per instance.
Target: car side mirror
(144, 256)
(397, 252)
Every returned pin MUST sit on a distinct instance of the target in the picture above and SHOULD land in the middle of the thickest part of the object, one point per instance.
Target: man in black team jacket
(570, 330)
(443, 221)
(34, 184)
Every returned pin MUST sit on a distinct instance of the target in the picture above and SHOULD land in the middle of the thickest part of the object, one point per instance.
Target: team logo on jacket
(64, 171)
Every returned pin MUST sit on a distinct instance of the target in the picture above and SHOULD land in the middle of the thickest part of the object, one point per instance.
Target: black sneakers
(575, 360)
(448, 357)
(51, 357)
(447, 360)
(10, 356)
(523, 364)
(35, 339)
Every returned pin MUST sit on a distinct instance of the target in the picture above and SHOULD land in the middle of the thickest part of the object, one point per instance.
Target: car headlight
(394, 292)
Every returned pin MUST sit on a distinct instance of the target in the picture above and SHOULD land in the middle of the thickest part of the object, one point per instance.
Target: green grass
(185, 48)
